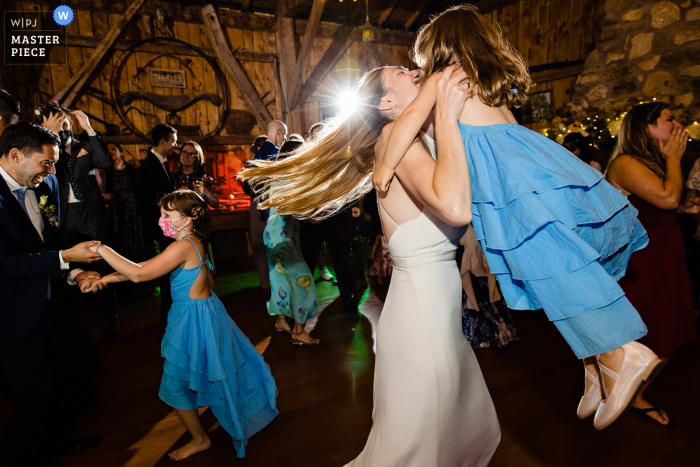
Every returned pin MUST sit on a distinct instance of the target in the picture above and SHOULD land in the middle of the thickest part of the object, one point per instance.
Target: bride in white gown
(431, 405)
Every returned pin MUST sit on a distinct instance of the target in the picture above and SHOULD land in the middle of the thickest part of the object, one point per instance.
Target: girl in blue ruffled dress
(208, 360)
(556, 235)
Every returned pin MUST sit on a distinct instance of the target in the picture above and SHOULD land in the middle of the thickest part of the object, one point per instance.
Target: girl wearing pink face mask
(646, 167)
(204, 350)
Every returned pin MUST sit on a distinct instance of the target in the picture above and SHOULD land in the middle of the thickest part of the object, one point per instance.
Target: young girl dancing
(556, 234)
(208, 360)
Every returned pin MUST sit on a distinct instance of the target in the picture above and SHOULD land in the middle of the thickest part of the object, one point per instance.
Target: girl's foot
(193, 447)
(215, 426)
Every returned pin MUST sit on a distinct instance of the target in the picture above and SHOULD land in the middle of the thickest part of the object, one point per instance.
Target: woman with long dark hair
(646, 167)
(191, 173)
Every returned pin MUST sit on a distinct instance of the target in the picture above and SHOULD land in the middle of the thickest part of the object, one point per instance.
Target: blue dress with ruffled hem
(555, 233)
(210, 362)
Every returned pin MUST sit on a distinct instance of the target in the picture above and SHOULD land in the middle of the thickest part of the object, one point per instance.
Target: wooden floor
(325, 394)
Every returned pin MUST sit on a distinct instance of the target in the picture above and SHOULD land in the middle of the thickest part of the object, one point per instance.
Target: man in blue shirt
(276, 136)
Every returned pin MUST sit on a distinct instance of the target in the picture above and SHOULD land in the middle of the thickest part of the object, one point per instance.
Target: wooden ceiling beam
(70, 90)
(291, 8)
(233, 69)
(376, 53)
(244, 55)
(487, 6)
(386, 13)
(343, 39)
(307, 46)
(232, 19)
(414, 16)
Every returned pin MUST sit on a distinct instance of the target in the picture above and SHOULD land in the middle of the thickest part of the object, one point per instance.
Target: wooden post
(233, 68)
(78, 80)
(286, 52)
(376, 53)
(342, 41)
(307, 45)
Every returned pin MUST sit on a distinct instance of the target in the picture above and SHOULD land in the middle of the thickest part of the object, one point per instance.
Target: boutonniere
(82, 152)
(49, 211)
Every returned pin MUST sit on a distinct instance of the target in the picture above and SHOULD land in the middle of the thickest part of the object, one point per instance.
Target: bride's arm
(444, 186)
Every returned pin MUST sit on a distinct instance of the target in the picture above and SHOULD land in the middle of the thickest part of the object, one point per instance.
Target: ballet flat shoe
(590, 400)
(638, 365)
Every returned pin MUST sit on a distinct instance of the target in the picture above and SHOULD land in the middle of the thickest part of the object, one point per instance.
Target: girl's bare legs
(200, 441)
(641, 403)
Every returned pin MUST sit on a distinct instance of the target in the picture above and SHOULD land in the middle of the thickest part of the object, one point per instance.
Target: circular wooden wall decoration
(130, 96)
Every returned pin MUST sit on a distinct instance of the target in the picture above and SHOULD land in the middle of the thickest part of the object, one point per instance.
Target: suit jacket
(152, 184)
(85, 157)
(26, 265)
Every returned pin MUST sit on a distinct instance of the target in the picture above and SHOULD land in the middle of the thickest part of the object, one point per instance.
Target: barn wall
(45, 81)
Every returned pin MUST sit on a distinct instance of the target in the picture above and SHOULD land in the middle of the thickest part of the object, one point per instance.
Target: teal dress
(291, 281)
(210, 362)
(556, 235)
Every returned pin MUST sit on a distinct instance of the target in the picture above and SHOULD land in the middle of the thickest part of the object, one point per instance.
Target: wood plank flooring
(325, 394)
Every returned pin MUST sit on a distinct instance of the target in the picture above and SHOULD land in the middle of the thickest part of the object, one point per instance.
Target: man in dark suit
(47, 362)
(154, 180)
(84, 214)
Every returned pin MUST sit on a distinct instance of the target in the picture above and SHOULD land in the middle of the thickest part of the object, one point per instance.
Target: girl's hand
(690, 206)
(84, 122)
(54, 122)
(674, 149)
(452, 93)
(382, 178)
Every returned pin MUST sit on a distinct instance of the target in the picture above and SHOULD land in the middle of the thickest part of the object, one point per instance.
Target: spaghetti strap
(381, 206)
(195, 247)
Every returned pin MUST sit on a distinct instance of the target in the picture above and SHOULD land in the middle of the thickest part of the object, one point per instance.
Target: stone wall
(648, 49)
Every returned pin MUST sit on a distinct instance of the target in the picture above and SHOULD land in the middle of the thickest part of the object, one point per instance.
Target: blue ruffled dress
(210, 362)
(555, 233)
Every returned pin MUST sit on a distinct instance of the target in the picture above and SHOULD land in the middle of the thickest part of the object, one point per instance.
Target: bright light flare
(346, 102)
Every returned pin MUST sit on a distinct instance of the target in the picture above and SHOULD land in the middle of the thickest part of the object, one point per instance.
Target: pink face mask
(167, 228)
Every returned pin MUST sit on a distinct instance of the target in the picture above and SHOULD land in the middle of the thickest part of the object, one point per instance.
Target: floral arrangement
(49, 211)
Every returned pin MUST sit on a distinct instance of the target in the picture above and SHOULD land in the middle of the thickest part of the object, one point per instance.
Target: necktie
(71, 178)
(167, 172)
(21, 192)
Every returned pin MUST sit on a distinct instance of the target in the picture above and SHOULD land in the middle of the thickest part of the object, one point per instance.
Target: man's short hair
(161, 132)
(27, 137)
(9, 108)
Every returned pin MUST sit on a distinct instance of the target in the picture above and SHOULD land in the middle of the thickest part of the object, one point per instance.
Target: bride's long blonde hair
(327, 174)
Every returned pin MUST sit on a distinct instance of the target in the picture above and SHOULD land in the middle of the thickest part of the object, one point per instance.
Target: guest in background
(296, 137)
(381, 259)
(9, 109)
(316, 130)
(120, 191)
(84, 214)
(154, 180)
(646, 167)
(191, 174)
(257, 224)
(583, 148)
(486, 321)
(293, 287)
